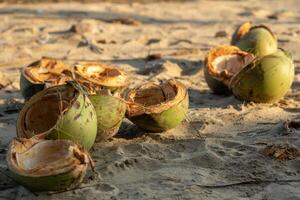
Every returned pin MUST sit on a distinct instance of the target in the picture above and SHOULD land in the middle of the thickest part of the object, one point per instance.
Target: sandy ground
(216, 153)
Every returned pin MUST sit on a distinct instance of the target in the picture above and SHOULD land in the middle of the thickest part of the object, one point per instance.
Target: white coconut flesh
(43, 113)
(229, 65)
(101, 74)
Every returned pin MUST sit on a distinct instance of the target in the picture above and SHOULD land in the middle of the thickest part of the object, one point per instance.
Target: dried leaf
(280, 152)
(291, 125)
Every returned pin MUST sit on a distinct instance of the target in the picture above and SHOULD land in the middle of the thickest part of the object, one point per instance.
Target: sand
(216, 153)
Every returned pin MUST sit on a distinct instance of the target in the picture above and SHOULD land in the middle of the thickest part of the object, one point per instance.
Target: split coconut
(157, 108)
(59, 112)
(47, 165)
(110, 111)
(257, 79)
(221, 64)
(97, 76)
(258, 40)
(41, 74)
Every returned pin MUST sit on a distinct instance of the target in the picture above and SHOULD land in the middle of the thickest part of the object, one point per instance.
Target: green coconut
(266, 79)
(96, 77)
(41, 74)
(110, 111)
(157, 108)
(59, 112)
(47, 165)
(221, 64)
(240, 32)
(259, 40)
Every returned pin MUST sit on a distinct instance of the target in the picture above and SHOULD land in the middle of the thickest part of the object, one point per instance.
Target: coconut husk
(153, 98)
(225, 61)
(47, 71)
(240, 32)
(47, 165)
(95, 76)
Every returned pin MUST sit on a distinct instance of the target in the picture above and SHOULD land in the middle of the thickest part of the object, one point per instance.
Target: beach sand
(216, 153)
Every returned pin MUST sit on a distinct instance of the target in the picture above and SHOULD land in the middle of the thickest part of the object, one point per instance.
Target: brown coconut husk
(47, 71)
(96, 76)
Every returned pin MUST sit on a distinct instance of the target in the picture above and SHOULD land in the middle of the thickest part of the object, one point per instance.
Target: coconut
(266, 79)
(47, 165)
(240, 32)
(258, 40)
(41, 74)
(59, 112)
(110, 111)
(221, 64)
(157, 108)
(97, 76)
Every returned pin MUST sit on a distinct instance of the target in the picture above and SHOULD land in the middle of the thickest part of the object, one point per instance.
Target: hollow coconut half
(41, 74)
(157, 108)
(266, 79)
(59, 112)
(258, 40)
(97, 76)
(47, 165)
(221, 64)
(110, 111)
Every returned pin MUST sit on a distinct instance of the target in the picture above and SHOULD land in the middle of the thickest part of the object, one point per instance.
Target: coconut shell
(157, 108)
(240, 32)
(110, 112)
(267, 79)
(59, 112)
(41, 74)
(259, 40)
(97, 77)
(47, 165)
(234, 59)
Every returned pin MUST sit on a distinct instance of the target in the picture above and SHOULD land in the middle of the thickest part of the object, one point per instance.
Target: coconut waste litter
(70, 107)
(252, 68)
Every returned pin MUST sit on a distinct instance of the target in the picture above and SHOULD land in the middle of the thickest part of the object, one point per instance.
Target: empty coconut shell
(47, 165)
(59, 112)
(97, 76)
(41, 74)
(110, 111)
(157, 108)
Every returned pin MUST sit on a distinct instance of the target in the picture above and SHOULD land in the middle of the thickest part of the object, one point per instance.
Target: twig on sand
(248, 182)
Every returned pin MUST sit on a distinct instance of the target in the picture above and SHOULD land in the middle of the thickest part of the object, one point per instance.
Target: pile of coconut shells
(252, 68)
(70, 107)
